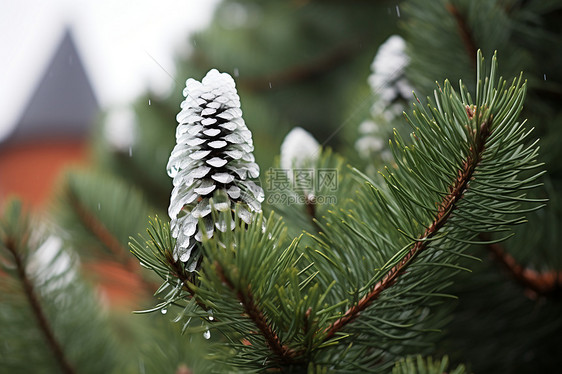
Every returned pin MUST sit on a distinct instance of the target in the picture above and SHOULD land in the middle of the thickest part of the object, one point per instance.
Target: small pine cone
(211, 164)
(299, 150)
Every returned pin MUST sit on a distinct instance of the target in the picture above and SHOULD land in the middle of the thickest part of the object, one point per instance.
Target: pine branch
(311, 211)
(446, 207)
(54, 345)
(179, 272)
(90, 209)
(157, 255)
(186, 278)
(314, 204)
(418, 365)
(100, 231)
(304, 71)
(540, 283)
(397, 247)
(296, 73)
(464, 31)
(459, 176)
(285, 353)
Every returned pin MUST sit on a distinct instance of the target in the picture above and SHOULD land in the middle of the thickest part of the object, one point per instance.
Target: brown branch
(29, 291)
(101, 232)
(178, 271)
(545, 284)
(464, 32)
(285, 353)
(310, 206)
(301, 72)
(446, 207)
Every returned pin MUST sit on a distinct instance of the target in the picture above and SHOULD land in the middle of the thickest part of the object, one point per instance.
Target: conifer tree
(425, 242)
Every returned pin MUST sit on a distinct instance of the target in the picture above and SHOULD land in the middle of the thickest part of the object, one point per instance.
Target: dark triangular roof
(63, 104)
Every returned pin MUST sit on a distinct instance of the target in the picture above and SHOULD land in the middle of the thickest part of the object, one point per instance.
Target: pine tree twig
(109, 240)
(446, 207)
(540, 283)
(298, 72)
(29, 291)
(310, 206)
(101, 232)
(285, 353)
(301, 72)
(464, 32)
(179, 272)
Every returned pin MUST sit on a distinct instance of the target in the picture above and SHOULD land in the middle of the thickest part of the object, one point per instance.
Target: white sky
(126, 46)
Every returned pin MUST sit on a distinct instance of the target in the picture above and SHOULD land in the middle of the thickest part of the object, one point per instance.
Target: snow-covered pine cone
(211, 164)
(392, 92)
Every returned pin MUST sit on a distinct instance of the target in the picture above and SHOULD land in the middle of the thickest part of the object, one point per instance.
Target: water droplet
(207, 334)
(269, 84)
(544, 76)
(164, 310)
(148, 101)
(397, 11)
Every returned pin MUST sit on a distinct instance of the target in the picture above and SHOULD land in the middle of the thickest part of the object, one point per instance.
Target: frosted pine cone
(388, 79)
(211, 164)
(391, 92)
(299, 149)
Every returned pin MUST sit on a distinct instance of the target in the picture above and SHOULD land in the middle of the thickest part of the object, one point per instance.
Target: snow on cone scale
(212, 163)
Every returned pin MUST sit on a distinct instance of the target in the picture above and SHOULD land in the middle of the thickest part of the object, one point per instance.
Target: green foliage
(378, 277)
(50, 319)
(333, 182)
(464, 26)
(155, 253)
(523, 32)
(280, 73)
(515, 325)
(515, 322)
(418, 365)
(156, 345)
(143, 163)
(90, 209)
(396, 247)
(431, 210)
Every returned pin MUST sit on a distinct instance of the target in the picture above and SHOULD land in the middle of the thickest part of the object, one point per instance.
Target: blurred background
(93, 80)
(63, 62)
(98, 84)
(91, 89)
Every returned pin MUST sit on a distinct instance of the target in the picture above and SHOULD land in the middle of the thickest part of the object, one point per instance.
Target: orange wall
(30, 170)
